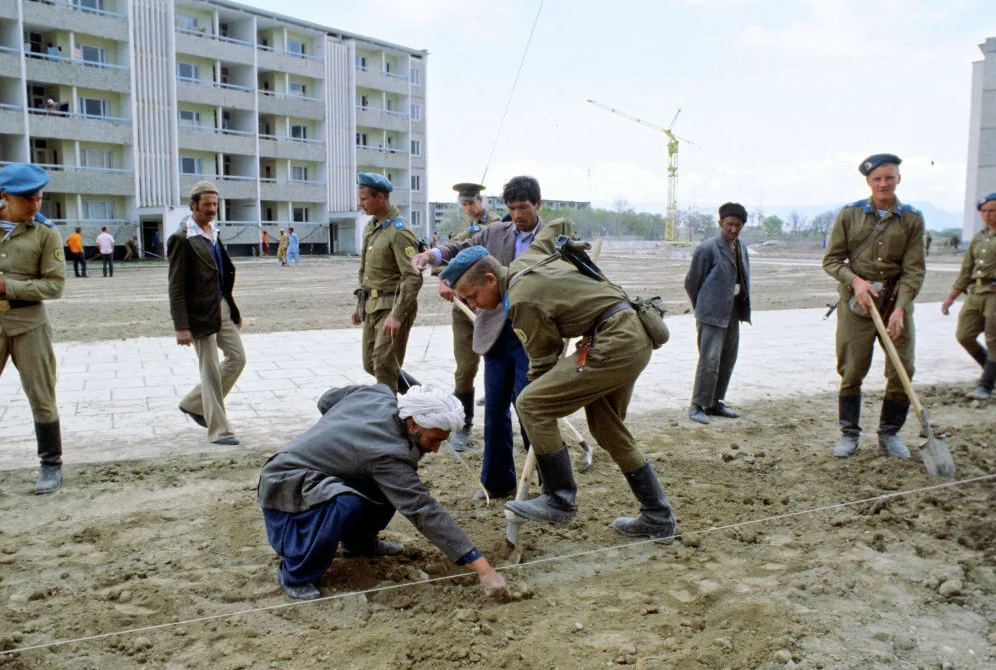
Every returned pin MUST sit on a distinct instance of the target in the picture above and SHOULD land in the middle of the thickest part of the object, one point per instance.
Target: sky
(780, 99)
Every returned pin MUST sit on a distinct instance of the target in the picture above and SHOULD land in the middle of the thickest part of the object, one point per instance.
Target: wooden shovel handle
(890, 349)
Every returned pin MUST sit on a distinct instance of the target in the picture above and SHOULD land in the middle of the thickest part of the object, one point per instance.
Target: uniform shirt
(284, 241)
(386, 265)
(978, 268)
(360, 446)
(105, 243)
(33, 267)
(75, 243)
(897, 249)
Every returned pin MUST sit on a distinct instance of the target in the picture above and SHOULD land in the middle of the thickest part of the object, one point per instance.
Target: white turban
(432, 407)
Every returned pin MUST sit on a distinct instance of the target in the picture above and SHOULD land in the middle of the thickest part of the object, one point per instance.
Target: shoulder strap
(865, 243)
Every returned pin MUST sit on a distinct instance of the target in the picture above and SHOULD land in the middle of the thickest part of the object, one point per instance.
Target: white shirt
(105, 243)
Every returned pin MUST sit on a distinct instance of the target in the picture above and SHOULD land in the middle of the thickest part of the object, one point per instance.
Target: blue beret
(984, 200)
(461, 263)
(374, 180)
(23, 179)
(876, 160)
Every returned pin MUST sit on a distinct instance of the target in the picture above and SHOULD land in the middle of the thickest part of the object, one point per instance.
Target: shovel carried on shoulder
(934, 452)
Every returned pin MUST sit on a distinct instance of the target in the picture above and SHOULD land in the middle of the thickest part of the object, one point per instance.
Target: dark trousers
(108, 260)
(79, 263)
(306, 542)
(505, 368)
(717, 356)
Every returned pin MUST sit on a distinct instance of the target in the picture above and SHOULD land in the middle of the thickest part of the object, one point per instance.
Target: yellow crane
(671, 213)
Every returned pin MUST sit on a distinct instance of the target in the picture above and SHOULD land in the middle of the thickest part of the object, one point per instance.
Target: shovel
(934, 452)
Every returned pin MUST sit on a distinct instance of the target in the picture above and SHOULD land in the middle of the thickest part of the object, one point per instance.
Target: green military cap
(877, 160)
(468, 191)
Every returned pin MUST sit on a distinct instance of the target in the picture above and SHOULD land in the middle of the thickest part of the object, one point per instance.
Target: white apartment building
(129, 102)
(981, 178)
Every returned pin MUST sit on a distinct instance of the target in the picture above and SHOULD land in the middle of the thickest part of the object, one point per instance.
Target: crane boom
(628, 116)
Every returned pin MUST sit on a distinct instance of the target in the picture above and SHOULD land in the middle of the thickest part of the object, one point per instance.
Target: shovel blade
(936, 457)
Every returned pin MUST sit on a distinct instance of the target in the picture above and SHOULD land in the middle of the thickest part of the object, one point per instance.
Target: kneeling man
(342, 481)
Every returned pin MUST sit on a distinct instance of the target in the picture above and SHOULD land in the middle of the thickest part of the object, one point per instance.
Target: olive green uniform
(977, 279)
(555, 302)
(897, 251)
(282, 245)
(34, 269)
(392, 286)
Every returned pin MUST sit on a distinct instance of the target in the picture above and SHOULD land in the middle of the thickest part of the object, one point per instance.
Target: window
(268, 214)
(96, 55)
(416, 218)
(89, 6)
(190, 165)
(416, 112)
(361, 139)
(301, 215)
(299, 132)
(361, 62)
(188, 70)
(362, 100)
(226, 120)
(416, 182)
(299, 173)
(297, 88)
(387, 66)
(98, 210)
(95, 158)
(93, 107)
(416, 147)
(186, 21)
(295, 46)
(190, 116)
(415, 76)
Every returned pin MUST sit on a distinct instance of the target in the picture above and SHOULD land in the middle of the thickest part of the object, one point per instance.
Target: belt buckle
(978, 281)
(374, 293)
(4, 306)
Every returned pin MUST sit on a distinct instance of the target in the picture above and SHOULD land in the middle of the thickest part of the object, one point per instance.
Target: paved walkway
(118, 399)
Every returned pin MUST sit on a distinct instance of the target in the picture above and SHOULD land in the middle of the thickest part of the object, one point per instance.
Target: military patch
(58, 256)
(521, 334)
(410, 252)
(399, 224)
(475, 229)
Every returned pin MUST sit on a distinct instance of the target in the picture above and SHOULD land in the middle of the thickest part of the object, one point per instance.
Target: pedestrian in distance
(282, 248)
(75, 245)
(293, 248)
(105, 246)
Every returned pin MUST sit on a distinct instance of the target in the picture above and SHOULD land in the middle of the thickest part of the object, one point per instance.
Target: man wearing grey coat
(343, 479)
(718, 284)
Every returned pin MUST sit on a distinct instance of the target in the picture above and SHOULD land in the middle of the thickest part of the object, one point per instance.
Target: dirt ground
(906, 582)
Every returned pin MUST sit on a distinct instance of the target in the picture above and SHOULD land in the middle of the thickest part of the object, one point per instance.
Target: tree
(794, 221)
(822, 222)
(772, 226)
(696, 223)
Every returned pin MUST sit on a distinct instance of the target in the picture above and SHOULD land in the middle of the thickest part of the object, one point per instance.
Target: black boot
(981, 356)
(405, 382)
(460, 439)
(892, 418)
(656, 519)
(49, 437)
(558, 503)
(985, 388)
(849, 411)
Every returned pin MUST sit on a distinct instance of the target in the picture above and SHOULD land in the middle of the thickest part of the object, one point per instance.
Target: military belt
(7, 305)
(609, 311)
(375, 293)
(980, 283)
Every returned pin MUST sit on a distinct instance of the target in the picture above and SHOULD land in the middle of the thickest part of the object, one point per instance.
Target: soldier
(875, 251)
(467, 362)
(547, 305)
(32, 269)
(282, 247)
(977, 280)
(387, 300)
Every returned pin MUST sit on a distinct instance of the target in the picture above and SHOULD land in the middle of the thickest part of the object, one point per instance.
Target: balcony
(8, 9)
(372, 117)
(77, 126)
(89, 180)
(271, 102)
(73, 72)
(216, 94)
(232, 187)
(10, 62)
(293, 190)
(381, 81)
(384, 158)
(12, 119)
(209, 45)
(272, 146)
(305, 65)
(217, 140)
(71, 16)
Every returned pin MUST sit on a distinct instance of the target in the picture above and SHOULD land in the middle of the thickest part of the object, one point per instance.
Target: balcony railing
(383, 72)
(8, 50)
(382, 111)
(196, 32)
(290, 96)
(56, 167)
(78, 115)
(77, 61)
(305, 182)
(216, 84)
(282, 138)
(86, 10)
(237, 223)
(220, 131)
(217, 177)
(296, 54)
(15, 108)
(92, 222)
(387, 150)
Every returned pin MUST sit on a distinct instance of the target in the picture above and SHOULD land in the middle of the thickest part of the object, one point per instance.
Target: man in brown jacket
(201, 277)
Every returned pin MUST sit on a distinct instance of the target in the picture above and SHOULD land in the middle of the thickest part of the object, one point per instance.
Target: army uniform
(392, 286)
(34, 269)
(977, 279)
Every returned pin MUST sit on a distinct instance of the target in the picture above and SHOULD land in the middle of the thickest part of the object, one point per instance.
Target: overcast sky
(781, 98)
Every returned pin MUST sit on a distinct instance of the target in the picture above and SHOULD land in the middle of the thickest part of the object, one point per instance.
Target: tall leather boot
(49, 436)
(558, 503)
(461, 438)
(656, 519)
(849, 411)
(981, 356)
(405, 382)
(985, 388)
(892, 418)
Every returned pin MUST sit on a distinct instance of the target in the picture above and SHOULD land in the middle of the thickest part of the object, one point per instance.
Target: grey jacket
(711, 280)
(499, 239)
(359, 446)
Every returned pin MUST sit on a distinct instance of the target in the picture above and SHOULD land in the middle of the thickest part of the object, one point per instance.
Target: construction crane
(671, 213)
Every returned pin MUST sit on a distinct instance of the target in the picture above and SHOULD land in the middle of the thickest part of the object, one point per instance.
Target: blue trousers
(294, 256)
(306, 542)
(505, 368)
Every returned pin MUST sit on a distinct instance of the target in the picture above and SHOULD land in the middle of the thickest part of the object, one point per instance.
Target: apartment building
(981, 177)
(129, 102)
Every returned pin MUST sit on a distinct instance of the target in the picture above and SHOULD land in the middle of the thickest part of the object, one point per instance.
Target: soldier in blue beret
(32, 269)
(875, 251)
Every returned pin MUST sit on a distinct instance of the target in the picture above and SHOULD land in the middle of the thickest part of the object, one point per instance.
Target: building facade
(981, 178)
(129, 102)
